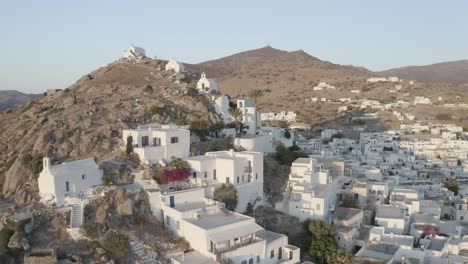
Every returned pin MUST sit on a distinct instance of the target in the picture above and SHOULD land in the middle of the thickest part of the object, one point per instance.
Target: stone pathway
(139, 250)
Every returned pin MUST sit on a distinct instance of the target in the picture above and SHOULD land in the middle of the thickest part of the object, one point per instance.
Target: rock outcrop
(86, 120)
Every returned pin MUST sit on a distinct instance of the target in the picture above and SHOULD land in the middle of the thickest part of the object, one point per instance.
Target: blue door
(171, 202)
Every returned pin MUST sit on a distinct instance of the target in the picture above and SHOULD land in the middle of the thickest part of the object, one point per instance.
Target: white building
(69, 179)
(134, 53)
(251, 119)
(328, 133)
(421, 100)
(217, 233)
(158, 143)
(392, 219)
(205, 85)
(244, 170)
(347, 222)
(310, 192)
(175, 66)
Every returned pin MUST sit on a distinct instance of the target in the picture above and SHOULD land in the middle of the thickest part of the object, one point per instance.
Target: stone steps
(76, 216)
(139, 250)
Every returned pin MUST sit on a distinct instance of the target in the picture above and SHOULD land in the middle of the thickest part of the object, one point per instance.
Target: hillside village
(184, 176)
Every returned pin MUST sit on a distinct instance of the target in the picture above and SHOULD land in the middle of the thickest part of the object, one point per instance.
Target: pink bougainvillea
(176, 175)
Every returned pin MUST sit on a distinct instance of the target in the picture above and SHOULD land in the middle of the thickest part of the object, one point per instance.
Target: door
(171, 202)
(280, 253)
(67, 186)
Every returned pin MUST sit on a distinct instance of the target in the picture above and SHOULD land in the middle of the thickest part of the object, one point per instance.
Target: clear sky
(49, 44)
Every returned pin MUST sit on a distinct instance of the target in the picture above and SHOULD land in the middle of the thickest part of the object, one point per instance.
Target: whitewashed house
(153, 144)
(134, 53)
(392, 219)
(328, 133)
(244, 170)
(69, 179)
(205, 85)
(251, 118)
(347, 222)
(175, 66)
(217, 233)
(310, 192)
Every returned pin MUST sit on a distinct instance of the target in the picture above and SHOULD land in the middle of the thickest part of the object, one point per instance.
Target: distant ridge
(12, 98)
(455, 72)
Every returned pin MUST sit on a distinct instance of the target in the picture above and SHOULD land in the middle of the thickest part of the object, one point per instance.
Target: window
(256, 176)
(214, 174)
(206, 174)
(317, 206)
(251, 261)
(258, 259)
(272, 254)
(83, 176)
(460, 207)
(67, 186)
(243, 178)
(461, 218)
(144, 141)
(168, 220)
(194, 174)
(237, 179)
(227, 180)
(174, 140)
(156, 141)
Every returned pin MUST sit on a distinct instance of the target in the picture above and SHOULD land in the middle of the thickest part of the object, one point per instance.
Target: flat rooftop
(344, 213)
(217, 219)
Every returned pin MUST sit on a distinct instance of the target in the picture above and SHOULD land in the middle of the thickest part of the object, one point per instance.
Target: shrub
(227, 194)
(176, 175)
(33, 163)
(180, 164)
(91, 230)
(443, 117)
(192, 92)
(107, 180)
(115, 243)
(180, 122)
(156, 110)
(288, 155)
(149, 89)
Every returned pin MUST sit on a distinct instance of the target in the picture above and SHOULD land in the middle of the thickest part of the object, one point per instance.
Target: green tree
(129, 147)
(237, 115)
(288, 155)
(323, 247)
(200, 127)
(227, 194)
(452, 185)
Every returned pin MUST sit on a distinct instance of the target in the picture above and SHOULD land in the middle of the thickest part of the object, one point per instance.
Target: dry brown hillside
(86, 119)
(445, 72)
(291, 77)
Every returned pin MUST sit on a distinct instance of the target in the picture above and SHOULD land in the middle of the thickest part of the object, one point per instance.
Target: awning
(236, 232)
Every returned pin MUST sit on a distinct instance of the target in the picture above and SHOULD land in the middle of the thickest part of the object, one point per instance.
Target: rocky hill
(446, 72)
(11, 98)
(86, 119)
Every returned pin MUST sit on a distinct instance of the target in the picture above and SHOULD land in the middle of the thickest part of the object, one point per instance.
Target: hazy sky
(49, 44)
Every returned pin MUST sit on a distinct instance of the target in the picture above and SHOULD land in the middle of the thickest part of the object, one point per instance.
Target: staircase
(76, 216)
(139, 250)
(463, 252)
